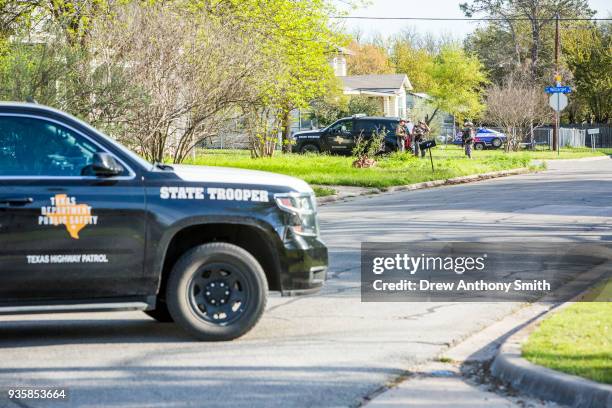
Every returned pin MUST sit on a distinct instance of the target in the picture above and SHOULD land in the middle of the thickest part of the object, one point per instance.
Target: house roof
(420, 95)
(383, 83)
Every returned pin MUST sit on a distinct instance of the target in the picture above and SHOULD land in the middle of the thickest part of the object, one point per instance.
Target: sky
(428, 8)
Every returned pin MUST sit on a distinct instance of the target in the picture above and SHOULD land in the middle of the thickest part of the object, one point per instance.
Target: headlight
(303, 212)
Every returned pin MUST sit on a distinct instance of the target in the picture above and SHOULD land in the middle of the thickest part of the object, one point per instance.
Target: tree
(74, 17)
(518, 105)
(587, 51)
(500, 51)
(457, 82)
(210, 60)
(415, 62)
(190, 75)
(296, 39)
(538, 15)
(368, 59)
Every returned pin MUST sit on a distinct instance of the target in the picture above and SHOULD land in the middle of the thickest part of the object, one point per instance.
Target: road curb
(596, 158)
(430, 184)
(545, 383)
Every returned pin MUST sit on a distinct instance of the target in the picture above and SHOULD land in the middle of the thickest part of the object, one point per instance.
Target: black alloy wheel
(217, 291)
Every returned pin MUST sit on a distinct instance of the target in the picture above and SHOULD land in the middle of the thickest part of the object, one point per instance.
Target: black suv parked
(87, 225)
(340, 137)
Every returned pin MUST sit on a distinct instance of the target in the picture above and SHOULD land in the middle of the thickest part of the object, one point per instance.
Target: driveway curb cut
(430, 184)
(545, 383)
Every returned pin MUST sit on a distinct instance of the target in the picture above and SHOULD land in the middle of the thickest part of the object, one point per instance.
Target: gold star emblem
(339, 140)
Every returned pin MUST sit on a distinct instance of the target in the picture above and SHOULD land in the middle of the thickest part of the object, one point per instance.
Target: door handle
(17, 201)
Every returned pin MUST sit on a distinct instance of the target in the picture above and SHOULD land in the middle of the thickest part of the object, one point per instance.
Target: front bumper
(305, 269)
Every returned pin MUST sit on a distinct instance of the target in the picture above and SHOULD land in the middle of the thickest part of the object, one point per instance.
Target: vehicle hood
(489, 132)
(227, 175)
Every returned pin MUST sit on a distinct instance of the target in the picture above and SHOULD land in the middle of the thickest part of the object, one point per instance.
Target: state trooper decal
(65, 211)
(214, 193)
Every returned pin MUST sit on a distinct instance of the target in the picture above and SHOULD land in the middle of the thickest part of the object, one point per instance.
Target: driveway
(324, 350)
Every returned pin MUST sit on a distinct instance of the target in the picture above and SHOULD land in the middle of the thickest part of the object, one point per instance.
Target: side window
(366, 128)
(35, 147)
(388, 127)
(345, 126)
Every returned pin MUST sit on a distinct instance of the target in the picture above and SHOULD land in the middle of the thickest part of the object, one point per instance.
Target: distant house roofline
(421, 95)
(376, 85)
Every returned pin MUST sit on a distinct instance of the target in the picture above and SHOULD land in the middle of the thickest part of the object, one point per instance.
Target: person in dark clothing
(420, 131)
(467, 138)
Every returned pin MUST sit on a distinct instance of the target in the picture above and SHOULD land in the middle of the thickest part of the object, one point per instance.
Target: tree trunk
(286, 126)
(535, 44)
(433, 115)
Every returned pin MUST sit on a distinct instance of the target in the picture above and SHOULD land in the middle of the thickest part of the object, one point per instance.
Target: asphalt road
(324, 350)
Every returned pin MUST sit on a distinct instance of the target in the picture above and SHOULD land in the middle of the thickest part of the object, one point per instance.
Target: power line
(466, 19)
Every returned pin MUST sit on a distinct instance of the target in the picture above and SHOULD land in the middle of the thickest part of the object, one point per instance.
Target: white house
(389, 89)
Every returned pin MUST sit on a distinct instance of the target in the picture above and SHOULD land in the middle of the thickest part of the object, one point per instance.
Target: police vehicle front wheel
(496, 143)
(310, 148)
(217, 291)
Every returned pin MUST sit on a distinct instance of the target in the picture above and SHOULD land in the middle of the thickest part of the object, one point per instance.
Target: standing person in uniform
(400, 135)
(420, 131)
(468, 138)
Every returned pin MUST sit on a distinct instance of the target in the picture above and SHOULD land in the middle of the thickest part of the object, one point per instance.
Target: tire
(161, 313)
(496, 143)
(217, 292)
(479, 146)
(309, 148)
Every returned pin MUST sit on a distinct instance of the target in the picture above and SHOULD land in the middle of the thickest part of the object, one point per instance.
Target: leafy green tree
(296, 38)
(74, 17)
(457, 83)
(587, 51)
(415, 62)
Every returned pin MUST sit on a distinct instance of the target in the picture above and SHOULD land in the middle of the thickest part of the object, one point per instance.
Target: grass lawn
(393, 170)
(577, 340)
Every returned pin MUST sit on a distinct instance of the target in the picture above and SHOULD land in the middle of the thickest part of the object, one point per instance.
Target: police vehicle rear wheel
(310, 148)
(217, 291)
(496, 142)
(479, 146)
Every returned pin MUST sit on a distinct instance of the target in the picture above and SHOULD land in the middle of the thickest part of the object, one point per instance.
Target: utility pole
(558, 83)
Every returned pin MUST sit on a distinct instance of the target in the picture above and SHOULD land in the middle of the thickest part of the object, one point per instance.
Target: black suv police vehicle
(341, 136)
(87, 225)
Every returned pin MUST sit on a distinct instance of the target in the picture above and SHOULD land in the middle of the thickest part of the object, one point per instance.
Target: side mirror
(105, 165)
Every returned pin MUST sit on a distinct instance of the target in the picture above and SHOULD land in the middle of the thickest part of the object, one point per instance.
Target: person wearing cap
(400, 135)
(468, 138)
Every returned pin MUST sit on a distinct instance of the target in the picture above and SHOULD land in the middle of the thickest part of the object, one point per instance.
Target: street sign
(427, 144)
(558, 89)
(558, 102)
(593, 131)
